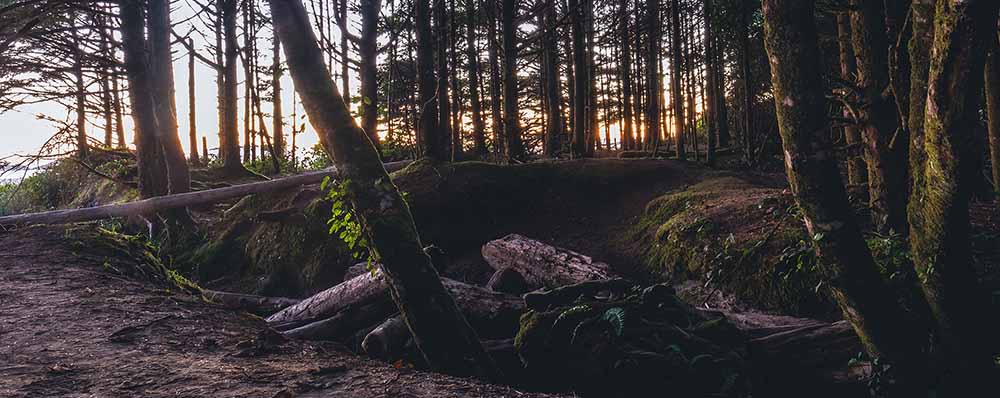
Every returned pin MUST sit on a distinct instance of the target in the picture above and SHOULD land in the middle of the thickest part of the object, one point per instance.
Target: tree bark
(628, 136)
(82, 146)
(792, 46)
(496, 108)
(192, 108)
(512, 126)
(368, 48)
(922, 16)
(880, 124)
(478, 127)
(939, 234)
(277, 118)
(441, 34)
(151, 169)
(992, 76)
(550, 65)
(230, 138)
(675, 82)
(580, 71)
(429, 137)
(543, 265)
(440, 330)
(856, 169)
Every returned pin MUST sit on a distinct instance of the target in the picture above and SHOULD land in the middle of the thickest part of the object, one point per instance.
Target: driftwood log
(260, 305)
(160, 203)
(364, 301)
(543, 265)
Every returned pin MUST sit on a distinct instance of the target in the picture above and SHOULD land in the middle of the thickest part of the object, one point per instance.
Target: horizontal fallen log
(160, 203)
(260, 305)
(364, 301)
(543, 265)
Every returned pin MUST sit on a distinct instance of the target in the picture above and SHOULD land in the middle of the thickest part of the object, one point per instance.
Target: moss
(723, 229)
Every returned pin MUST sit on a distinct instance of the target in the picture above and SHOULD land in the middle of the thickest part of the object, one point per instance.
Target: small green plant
(344, 222)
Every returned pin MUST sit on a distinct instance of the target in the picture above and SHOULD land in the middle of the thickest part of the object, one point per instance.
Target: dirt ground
(69, 328)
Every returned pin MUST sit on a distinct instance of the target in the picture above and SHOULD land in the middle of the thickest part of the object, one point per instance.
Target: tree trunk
(871, 308)
(709, 99)
(478, 127)
(580, 70)
(152, 173)
(443, 99)
(886, 161)
(440, 330)
(499, 141)
(429, 136)
(939, 234)
(922, 16)
(856, 169)
(675, 80)
(230, 138)
(119, 125)
(653, 73)
(512, 126)
(369, 68)
(992, 77)
(628, 136)
(542, 265)
(277, 118)
(550, 65)
(192, 108)
(82, 146)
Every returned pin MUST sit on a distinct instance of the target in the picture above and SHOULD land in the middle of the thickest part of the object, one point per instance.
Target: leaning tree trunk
(792, 46)
(440, 330)
(939, 219)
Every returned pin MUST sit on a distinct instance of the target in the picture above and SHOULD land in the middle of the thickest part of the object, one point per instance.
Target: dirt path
(69, 328)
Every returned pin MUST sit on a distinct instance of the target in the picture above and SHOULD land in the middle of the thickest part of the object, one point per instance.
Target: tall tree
(886, 162)
(499, 143)
(441, 33)
(368, 48)
(550, 69)
(230, 138)
(192, 108)
(939, 234)
(277, 118)
(580, 68)
(512, 127)
(856, 170)
(792, 45)
(439, 329)
(675, 80)
(161, 66)
(429, 137)
(82, 146)
(478, 127)
(628, 136)
(653, 59)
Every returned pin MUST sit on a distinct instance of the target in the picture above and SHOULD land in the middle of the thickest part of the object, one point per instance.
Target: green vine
(344, 223)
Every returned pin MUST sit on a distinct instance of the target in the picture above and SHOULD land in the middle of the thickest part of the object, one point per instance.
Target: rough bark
(82, 146)
(152, 173)
(792, 46)
(440, 331)
(499, 142)
(542, 265)
(992, 76)
(277, 118)
(441, 34)
(939, 234)
(881, 133)
(161, 66)
(628, 136)
(922, 17)
(229, 137)
(856, 169)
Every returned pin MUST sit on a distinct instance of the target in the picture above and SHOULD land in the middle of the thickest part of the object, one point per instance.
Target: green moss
(128, 255)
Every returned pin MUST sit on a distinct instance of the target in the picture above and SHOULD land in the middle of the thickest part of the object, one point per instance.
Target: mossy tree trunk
(939, 234)
(922, 21)
(879, 123)
(993, 111)
(852, 276)
(440, 330)
(855, 164)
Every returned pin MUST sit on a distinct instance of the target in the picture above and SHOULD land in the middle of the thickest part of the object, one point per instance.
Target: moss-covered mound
(739, 233)
(279, 243)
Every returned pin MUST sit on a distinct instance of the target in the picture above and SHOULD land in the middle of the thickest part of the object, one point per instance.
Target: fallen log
(543, 265)
(160, 203)
(259, 305)
(387, 341)
(364, 300)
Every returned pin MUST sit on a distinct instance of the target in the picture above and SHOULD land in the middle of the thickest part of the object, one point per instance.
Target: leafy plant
(344, 222)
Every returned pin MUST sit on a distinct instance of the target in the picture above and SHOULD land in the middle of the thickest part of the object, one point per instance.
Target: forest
(500, 198)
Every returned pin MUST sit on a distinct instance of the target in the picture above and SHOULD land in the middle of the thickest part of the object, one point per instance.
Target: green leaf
(616, 317)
